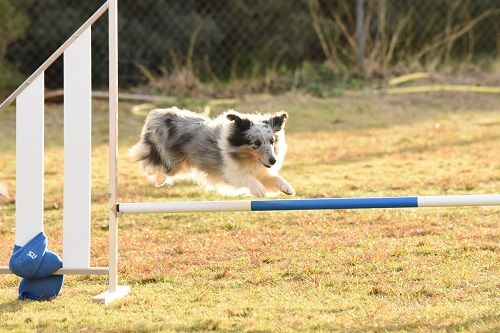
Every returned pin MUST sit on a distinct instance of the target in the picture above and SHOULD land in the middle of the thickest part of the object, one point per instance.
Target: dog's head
(257, 137)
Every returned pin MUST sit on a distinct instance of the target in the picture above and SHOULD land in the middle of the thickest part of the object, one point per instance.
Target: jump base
(110, 296)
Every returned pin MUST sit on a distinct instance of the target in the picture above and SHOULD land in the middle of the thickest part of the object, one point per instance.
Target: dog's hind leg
(158, 179)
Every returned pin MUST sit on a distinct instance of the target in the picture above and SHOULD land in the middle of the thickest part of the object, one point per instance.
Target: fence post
(360, 36)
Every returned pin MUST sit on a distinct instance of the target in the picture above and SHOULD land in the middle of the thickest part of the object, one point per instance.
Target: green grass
(372, 270)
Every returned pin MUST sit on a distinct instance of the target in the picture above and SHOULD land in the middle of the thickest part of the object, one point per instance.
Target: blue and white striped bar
(310, 204)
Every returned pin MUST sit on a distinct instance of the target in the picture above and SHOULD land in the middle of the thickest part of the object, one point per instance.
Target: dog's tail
(146, 154)
(140, 152)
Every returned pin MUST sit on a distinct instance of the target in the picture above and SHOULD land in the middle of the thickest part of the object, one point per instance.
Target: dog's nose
(272, 161)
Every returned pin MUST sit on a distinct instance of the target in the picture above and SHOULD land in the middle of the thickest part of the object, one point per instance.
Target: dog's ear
(241, 123)
(277, 122)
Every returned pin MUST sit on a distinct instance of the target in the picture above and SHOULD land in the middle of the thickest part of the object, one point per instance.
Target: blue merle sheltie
(234, 153)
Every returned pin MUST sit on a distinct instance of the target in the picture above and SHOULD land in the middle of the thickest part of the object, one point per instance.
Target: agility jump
(41, 269)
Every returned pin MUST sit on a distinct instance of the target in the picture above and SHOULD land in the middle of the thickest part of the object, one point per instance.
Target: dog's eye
(257, 143)
(271, 141)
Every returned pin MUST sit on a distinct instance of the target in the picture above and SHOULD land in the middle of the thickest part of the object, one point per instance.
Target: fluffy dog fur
(242, 151)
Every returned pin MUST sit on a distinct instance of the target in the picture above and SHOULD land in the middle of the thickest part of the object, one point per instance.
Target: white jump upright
(115, 291)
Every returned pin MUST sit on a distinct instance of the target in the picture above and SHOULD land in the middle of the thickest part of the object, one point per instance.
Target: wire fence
(173, 43)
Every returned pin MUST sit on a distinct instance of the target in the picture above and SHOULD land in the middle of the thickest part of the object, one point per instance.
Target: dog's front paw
(286, 188)
(258, 190)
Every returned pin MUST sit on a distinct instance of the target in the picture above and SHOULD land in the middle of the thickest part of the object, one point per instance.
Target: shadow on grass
(465, 325)
(14, 305)
(202, 326)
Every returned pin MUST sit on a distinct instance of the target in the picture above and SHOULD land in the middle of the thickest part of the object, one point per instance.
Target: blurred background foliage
(13, 26)
(226, 47)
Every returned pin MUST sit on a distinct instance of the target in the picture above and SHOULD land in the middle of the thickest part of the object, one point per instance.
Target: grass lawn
(372, 270)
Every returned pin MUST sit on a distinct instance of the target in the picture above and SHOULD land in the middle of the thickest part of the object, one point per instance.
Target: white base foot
(110, 296)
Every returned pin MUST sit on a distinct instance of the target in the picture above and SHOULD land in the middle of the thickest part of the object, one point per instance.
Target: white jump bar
(185, 206)
(459, 200)
(310, 204)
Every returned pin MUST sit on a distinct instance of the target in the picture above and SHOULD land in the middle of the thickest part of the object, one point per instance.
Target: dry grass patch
(372, 270)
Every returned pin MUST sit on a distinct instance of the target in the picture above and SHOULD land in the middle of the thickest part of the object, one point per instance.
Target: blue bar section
(334, 203)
